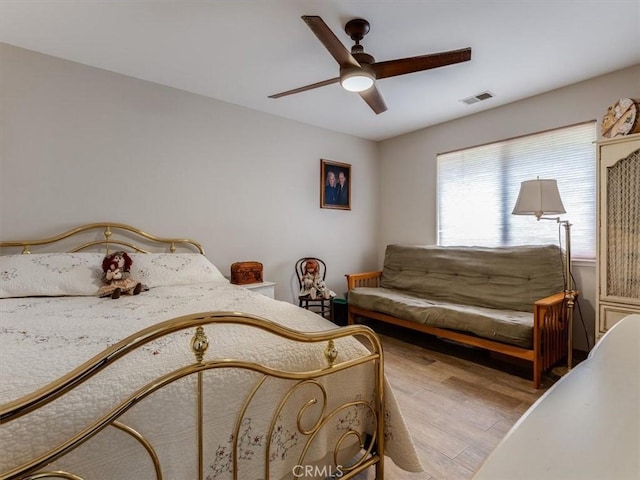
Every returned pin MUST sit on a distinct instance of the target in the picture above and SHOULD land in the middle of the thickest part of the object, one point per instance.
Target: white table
(587, 426)
(267, 289)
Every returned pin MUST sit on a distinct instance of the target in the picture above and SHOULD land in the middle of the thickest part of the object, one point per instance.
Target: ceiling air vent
(477, 98)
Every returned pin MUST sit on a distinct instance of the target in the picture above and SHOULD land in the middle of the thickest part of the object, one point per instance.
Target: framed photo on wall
(335, 185)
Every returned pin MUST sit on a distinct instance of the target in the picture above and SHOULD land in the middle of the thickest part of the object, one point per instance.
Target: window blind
(478, 188)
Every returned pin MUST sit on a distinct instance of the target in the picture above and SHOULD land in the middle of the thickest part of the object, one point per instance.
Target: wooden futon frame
(549, 328)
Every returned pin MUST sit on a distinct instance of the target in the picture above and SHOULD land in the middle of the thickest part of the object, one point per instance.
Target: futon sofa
(508, 300)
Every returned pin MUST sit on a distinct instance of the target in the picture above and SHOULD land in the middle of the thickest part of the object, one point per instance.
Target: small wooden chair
(321, 306)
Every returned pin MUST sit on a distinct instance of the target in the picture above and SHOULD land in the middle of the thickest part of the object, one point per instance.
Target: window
(478, 187)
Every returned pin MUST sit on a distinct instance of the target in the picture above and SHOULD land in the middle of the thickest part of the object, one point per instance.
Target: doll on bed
(116, 276)
(312, 284)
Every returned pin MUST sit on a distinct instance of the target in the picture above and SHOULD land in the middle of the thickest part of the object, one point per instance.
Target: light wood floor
(457, 407)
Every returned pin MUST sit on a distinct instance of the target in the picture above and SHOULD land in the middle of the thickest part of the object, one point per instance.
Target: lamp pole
(569, 293)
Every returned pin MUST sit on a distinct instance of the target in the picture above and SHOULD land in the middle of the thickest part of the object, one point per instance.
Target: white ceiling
(241, 51)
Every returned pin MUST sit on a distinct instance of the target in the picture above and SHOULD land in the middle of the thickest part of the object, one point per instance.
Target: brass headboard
(107, 235)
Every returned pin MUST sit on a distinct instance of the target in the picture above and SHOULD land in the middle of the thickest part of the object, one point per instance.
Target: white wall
(408, 210)
(80, 144)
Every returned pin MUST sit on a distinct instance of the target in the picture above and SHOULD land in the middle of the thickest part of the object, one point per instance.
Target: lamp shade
(538, 197)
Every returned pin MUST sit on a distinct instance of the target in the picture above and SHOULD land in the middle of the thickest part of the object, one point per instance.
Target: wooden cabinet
(618, 238)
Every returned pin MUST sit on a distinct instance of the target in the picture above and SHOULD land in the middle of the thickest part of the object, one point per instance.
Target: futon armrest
(551, 311)
(366, 279)
(554, 299)
(550, 300)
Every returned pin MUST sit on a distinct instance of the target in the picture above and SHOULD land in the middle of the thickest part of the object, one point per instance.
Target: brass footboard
(368, 445)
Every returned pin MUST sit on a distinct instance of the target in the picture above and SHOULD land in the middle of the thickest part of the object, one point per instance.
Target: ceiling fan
(359, 70)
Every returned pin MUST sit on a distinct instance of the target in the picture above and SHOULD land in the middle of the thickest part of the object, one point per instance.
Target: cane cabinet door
(618, 252)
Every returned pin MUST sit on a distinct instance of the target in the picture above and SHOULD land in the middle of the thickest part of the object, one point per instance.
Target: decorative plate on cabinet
(622, 118)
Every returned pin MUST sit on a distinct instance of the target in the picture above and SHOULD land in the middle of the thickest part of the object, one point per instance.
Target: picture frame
(335, 185)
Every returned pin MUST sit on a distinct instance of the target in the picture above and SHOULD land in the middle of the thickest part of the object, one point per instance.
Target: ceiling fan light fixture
(354, 79)
(359, 71)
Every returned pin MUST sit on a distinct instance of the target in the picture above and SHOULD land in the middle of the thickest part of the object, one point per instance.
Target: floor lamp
(541, 197)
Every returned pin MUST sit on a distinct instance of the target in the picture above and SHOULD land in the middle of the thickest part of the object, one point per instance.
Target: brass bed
(209, 413)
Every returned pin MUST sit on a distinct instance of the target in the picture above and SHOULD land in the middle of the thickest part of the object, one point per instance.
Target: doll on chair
(312, 284)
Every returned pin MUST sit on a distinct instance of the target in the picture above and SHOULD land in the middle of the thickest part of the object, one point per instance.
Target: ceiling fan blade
(402, 66)
(306, 87)
(374, 99)
(330, 41)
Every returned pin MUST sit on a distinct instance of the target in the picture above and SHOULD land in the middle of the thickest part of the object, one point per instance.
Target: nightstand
(268, 289)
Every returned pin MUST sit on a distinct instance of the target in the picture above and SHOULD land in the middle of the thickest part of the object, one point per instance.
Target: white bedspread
(43, 338)
(587, 426)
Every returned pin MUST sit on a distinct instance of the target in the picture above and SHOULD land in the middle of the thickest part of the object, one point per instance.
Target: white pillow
(168, 269)
(50, 274)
